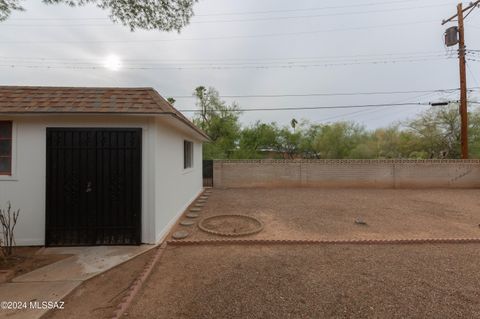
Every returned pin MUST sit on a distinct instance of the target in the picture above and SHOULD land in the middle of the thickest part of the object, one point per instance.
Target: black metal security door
(207, 171)
(93, 186)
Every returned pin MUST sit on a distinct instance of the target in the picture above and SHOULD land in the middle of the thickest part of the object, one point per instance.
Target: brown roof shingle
(39, 99)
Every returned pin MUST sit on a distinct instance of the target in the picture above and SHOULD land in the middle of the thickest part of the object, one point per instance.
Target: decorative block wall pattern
(347, 173)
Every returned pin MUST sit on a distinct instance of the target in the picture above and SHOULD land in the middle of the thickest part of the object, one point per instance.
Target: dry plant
(8, 220)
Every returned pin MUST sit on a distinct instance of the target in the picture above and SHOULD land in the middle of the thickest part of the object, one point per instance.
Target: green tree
(289, 142)
(293, 124)
(257, 139)
(308, 133)
(337, 140)
(166, 15)
(438, 129)
(393, 142)
(474, 134)
(219, 121)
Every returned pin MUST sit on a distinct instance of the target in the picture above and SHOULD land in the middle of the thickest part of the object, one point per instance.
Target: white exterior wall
(177, 187)
(166, 190)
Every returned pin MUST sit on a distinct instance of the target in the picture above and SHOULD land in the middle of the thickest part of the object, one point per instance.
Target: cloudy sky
(321, 50)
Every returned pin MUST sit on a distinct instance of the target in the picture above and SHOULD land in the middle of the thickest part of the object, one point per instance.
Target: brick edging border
(313, 241)
(138, 283)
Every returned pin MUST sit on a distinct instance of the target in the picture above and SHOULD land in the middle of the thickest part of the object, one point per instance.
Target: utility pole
(463, 83)
(463, 72)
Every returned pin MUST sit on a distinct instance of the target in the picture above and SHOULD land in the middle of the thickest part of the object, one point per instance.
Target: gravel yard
(312, 213)
(308, 281)
(318, 281)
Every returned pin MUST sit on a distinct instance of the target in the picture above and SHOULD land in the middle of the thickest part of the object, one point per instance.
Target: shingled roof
(39, 99)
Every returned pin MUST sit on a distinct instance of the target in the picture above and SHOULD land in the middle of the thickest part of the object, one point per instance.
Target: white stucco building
(96, 166)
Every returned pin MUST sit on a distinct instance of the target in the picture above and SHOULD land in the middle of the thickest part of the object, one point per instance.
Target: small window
(187, 154)
(5, 148)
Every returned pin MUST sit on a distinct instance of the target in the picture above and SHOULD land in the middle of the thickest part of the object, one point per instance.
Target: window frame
(6, 174)
(188, 161)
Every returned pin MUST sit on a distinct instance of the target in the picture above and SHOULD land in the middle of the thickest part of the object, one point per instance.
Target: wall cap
(351, 161)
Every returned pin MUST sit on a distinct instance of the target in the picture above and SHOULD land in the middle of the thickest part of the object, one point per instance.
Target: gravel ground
(97, 298)
(318, 281)
(307, 213)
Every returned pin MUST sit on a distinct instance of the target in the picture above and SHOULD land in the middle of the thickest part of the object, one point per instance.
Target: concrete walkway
(55, 281)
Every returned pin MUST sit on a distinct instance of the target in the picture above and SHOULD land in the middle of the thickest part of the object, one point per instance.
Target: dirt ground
(98, 297)
(310, 281)
(26, 259)
(318, 281)
(307, 213)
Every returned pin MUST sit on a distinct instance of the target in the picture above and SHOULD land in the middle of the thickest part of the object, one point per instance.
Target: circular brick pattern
(187, 222)
(181, 234)
(231, 225)
(192, 215)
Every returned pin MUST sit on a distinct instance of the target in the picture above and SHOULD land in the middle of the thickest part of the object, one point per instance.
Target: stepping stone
(203, 197)
(181, 234)
(192, 215)
(202, 201)
(199, 205)
(195, 209)
(187, 222)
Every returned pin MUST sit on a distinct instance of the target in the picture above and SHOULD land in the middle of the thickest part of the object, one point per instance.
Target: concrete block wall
(347, 173)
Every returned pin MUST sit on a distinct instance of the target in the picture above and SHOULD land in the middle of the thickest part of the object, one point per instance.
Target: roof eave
(198, 131)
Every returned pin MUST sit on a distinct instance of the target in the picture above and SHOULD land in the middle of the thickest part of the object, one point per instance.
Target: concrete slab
(86, 262)
(35, 292)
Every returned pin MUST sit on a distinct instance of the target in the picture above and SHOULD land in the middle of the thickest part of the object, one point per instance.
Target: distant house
(96, 166)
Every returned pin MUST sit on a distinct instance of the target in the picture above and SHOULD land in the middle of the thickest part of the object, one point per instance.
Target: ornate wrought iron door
(93, 186)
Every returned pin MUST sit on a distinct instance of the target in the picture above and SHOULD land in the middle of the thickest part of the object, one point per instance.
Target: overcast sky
(251, 47)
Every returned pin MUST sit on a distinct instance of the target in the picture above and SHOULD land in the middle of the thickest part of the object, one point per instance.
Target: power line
(371, 4)
(319, 15)
(263, 64)
(238, 20)
(231, 37)
(241, 13)
(241, 20)
(354, 57)
(255, 109)
(324, 94)
(224, 67)
(402, 101)
(472, 74)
